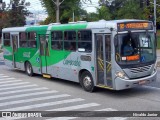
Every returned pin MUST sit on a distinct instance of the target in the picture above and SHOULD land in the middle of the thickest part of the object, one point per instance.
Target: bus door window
(15, 43)
(47, 46)
(42, 45)
(6, 38)
(108, 58)
(108, 47)
(100, 58)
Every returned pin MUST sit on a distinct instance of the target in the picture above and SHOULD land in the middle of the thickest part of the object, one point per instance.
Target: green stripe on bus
(69, 26)
(38, 29)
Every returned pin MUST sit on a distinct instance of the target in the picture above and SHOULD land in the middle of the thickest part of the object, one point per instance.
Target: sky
(90, 7)
(35, 7)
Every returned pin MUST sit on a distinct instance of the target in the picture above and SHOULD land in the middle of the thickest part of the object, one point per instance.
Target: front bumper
(121, 84)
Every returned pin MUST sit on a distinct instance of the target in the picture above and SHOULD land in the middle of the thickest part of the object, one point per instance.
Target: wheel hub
(87, 81)
(29, 69)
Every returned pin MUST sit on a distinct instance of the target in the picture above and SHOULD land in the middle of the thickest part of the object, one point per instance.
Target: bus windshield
(135, 48)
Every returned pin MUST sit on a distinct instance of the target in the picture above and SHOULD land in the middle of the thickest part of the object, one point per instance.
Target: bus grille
(141, 69)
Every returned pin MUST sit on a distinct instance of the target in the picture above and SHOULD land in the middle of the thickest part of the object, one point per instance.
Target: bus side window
(56, 40)
(32, 39)
(85, 40)
(6, 38)
(23, 39)
(70, 40)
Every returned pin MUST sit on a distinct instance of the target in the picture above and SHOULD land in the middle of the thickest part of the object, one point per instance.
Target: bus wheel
(86, 81)
(29, 69)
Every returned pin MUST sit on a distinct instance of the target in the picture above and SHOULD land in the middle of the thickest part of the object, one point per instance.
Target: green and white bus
(117, 54)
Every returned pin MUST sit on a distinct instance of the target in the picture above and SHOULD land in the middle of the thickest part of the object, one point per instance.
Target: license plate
(142, 82)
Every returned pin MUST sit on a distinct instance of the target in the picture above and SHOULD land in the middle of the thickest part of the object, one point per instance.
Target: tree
(113, 6)
(16, 16)
(18, 13)
(66, 10)
(130, 10)
(104, 13)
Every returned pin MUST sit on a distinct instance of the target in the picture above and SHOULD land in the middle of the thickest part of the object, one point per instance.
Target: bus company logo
(26, 54)
(72, 62)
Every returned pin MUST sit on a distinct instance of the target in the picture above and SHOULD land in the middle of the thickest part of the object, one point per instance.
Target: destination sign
(135, 26)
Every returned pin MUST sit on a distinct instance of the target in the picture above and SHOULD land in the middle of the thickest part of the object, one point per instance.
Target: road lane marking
(112, 118)
(4, 76)
(43, 105)
(17, 87)
(33, 99)
(7, 79)
(75, 107)
(10, 81)
(14, 84)
(22, 90)
(28, 94)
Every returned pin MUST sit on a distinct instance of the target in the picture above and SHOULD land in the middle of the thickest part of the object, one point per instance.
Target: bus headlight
(121, 75)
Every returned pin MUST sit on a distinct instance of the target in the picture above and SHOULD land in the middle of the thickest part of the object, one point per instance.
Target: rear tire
(29, 69)
(86, 82)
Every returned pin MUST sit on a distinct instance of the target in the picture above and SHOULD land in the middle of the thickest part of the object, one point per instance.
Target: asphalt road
(19, 92)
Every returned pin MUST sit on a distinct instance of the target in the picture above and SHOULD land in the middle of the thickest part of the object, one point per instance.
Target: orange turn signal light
(134, 57)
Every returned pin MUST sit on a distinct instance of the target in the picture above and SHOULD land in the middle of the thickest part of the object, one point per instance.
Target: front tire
(86, 82)
(29, 69)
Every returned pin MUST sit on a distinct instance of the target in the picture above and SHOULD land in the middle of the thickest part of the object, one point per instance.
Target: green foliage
(130, 9)
(109, 10)
(66, 10)
(104, 13)
(15, 16)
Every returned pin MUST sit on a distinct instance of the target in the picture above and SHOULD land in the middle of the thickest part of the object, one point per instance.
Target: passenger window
(6, 38)
(32, 40)
(57, 43)
(23, 39)
(85, 40)
(70, 40)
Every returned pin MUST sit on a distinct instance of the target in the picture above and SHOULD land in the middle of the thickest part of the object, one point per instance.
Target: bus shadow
(132, 92)
(127, 93)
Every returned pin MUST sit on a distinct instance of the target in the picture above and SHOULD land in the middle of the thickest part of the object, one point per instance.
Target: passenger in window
(72, 46)
(24, 44)
(32, 44)
(128, 49)
(55, 46)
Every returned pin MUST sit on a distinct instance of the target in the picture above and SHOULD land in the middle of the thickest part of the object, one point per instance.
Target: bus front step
(46, 76)
(104, 86)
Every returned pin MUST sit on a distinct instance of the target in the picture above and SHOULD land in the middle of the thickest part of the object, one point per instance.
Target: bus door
(44, 52)
(14, 39)
(103, 59)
